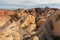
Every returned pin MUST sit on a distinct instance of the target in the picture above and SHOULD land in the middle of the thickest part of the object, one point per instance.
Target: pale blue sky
(14, 4)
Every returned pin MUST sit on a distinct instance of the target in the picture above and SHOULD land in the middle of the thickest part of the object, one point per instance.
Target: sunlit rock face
(6, 12)
(30, 24)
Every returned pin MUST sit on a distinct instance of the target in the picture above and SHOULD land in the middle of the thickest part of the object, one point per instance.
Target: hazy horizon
(15, 4)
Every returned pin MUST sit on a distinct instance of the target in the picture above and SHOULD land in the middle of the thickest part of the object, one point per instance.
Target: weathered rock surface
(30, 24)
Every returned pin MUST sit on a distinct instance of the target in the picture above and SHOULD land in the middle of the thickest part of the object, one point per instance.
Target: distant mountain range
(29, 7)
(44, 5)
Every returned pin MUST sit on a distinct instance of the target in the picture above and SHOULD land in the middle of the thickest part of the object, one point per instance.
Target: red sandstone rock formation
(6, 12)
(31, 24)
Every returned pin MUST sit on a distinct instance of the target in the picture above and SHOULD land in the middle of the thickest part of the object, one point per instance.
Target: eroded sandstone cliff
(30, 24)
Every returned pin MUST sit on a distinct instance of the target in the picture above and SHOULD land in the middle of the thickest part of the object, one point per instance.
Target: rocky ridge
(30, 24)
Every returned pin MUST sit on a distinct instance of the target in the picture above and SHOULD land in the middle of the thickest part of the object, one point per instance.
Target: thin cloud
(26, 3)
